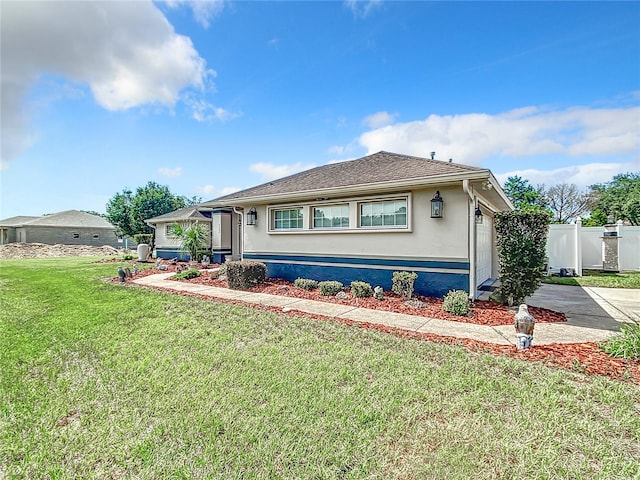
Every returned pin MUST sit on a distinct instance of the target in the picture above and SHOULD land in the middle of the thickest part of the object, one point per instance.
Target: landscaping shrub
(330, 288)
(145, 238)
(361, 289)
(245, 274)
(456, 302)
(626, 344)
(305, 283)
(187, 274)
(402, 283)
(522, 241)
(128, 257)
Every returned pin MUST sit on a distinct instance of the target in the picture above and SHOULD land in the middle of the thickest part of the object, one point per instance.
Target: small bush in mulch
(457, 303)
(402, 283)
(361, 289)
(330, 288)
(305, 283)
(245, 274)
(187, 274)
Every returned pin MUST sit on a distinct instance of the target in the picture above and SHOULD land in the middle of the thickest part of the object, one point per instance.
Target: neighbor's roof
(182, 214)
(68, 218)
(377, 169)
(16, 221)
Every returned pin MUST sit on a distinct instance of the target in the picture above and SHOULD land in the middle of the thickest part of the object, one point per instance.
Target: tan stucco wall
(445, 238)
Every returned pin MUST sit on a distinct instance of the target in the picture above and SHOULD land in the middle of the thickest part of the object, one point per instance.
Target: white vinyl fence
(577, 247)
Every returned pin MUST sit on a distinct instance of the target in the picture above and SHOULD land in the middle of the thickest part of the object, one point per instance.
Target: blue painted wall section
(432, 284)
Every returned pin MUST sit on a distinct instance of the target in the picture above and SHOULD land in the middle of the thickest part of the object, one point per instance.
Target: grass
(99, 380)
(595, 278)
(626, 344)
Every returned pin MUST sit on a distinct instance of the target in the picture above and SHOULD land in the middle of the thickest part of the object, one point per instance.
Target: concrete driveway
(590, 307)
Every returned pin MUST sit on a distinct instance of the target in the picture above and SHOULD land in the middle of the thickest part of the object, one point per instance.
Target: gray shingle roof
(16, 221)
(379, 168)
(187, 213)
(68, 218)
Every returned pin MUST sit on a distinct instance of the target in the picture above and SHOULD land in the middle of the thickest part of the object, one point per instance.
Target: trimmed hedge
(402, 283)
(305, 283)
(457, 303)
(245, 274)
(361, 289)
(522, 243)
(330, 288)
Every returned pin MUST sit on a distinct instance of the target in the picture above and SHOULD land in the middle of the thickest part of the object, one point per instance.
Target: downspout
(241, 232)
(472, 238)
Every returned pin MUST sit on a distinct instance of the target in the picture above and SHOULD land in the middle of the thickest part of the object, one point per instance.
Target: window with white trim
(287, 219)
(331, 216)
(168, 230)
(385, 213)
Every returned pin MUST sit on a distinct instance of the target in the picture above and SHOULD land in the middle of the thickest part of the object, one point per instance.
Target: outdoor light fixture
(478, 215)
(436, 205)
(252, 216)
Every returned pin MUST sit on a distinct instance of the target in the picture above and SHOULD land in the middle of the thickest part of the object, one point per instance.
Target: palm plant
(193, 238)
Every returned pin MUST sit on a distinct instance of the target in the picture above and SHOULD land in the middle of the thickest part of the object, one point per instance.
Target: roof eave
(431, 181)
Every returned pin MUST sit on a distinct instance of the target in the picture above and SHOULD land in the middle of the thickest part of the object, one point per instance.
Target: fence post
(620, 224)
(578, 246)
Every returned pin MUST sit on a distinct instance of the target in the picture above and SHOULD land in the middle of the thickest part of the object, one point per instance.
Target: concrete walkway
(592, 316)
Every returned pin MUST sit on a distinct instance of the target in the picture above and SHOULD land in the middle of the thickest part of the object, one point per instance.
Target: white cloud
(379, 119)
(269, 171)
(203, 10)
(471, 138)
(126, 52)
(580, 175)
(362, 8)
(204, 111)
(213, 191)
(170, 172)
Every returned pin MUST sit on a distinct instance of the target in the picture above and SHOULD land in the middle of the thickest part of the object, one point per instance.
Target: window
(332, 216)
(96, 235)
(387, 213)
(287, 219)
(168, 230)
(75, 235)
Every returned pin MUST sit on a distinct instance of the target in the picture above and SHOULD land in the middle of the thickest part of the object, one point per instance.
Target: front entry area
(484, 250)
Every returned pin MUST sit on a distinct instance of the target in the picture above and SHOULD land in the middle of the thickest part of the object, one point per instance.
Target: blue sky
(211, 97)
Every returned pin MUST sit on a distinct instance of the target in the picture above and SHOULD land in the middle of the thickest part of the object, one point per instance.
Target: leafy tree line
(601, 203)
(127, 210)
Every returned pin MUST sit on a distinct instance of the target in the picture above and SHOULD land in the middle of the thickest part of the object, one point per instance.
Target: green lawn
(99, 380)
(594, 278)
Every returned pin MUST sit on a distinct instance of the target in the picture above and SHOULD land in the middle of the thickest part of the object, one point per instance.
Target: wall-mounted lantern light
(252, 216)
(436, 205)
(479, 216)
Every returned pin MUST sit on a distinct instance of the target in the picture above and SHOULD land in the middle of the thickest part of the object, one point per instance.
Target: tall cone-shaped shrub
(522, 243)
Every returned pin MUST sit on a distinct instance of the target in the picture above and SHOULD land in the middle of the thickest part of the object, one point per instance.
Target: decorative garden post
(524, 323)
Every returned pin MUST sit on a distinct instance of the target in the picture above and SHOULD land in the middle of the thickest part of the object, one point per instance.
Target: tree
(619, 199)
(128, 212)
(193, 238)
(525, 197)
(521, 242)
(566, 202)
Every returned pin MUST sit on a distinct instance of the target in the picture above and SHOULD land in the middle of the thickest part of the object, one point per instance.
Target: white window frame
(383, 226)
(312, 211)
(280, 208)
(168, 230)
(354, 216)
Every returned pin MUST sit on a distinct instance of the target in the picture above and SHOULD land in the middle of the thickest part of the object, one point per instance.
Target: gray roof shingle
(187, 213)
(379, 168)
(68, 218)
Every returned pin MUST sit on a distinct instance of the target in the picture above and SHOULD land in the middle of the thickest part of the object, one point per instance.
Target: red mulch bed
(578, 357)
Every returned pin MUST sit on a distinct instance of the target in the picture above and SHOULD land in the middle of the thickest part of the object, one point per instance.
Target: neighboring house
(71, 227)
(366, 218)
(218, 222)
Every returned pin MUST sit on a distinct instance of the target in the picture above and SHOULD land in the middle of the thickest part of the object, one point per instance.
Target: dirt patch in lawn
(41, 250)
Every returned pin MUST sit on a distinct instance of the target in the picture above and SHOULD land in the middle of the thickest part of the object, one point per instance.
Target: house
(71, 227)
(366, 218)
(218, 221)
